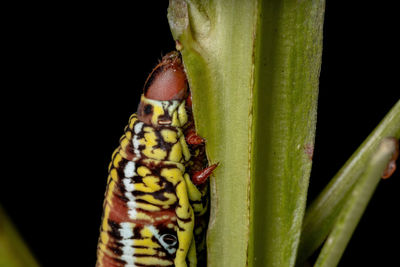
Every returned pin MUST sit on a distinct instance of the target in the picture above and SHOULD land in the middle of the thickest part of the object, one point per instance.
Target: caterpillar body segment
(153, 213)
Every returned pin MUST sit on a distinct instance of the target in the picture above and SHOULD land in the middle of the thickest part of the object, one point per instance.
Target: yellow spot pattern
(169, 135)
(143, 171)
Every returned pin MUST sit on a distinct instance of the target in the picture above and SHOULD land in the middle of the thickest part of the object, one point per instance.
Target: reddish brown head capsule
(168, 79)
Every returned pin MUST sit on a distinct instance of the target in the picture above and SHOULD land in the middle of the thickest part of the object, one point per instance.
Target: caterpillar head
(167, 81)
(165, 87)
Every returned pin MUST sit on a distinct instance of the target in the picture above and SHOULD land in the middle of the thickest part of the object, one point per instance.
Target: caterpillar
(155, 211)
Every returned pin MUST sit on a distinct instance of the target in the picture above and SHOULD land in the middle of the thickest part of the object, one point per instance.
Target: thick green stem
(220, 73)
(253, 69)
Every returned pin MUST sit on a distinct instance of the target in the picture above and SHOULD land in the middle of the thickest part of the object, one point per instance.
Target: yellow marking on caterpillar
(157, 112)
(152, 182)
(115, 152)
(172, 175)
(175, 120)
(128, 135)
(143, 188)
(147, 207)
(110, 192)
(117, 159)
(185, 148)
(108, 203)
(182, 114)
(101, 251)
(146, 251)
(150, 140)
(177, 165)
(111, 163)
(193, 192)
(149, 261)
(146, 233)
(105, 220)
(132, 121)
(184, 210)
(104, 237)
(169, 135)
(143, 216)
(146, 242)
(171, 199)
(124, 143)
(162, 218)
(114, 174)
(176, 153)
(143, 171)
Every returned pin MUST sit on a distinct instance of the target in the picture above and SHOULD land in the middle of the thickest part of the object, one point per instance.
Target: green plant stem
(287, 58)
(220, 72)
(253, 69)
(323, 211)
(13, 251)
(355, 205)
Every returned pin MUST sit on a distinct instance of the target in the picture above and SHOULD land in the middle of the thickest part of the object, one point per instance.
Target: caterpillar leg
(193, 139)
(200, 177)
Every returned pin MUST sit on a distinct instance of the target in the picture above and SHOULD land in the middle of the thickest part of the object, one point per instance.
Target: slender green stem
(355, 205)
(13, 251)
(322, 213)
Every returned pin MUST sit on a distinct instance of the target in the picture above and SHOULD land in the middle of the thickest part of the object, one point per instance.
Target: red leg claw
(200, 177)
(193, 139)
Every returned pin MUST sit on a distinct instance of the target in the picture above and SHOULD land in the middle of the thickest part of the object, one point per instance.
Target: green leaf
(253, 69)
(13, 251)
(355, 205)
(322, 213)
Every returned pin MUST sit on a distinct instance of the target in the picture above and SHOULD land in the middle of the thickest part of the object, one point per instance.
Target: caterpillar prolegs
(156, 201)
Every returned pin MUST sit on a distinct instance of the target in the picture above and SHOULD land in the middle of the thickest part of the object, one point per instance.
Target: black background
(74, 73)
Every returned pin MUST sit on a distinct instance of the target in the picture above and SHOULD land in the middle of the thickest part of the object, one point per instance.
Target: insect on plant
(156, 202)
